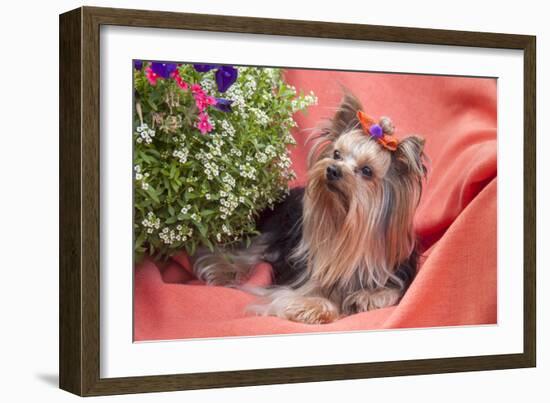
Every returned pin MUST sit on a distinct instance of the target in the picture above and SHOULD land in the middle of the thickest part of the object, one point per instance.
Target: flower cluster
(151, 222)
(144, 134)
(202, 101)
(210, 152)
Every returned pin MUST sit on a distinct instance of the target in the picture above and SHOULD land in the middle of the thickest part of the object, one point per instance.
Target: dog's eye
(337, 155)
(366, 171)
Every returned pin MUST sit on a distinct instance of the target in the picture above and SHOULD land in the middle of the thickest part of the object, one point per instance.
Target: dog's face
(351, 167)
(361, 194)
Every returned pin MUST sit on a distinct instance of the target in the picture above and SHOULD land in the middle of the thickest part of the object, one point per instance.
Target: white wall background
(29, 199)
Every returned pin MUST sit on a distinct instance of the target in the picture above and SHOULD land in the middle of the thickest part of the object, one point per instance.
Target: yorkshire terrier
(344, 243)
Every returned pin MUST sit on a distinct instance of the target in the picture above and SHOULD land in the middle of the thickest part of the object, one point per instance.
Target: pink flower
(196, 89)
(204, 124)
(199, 101)
(210, 100)
(181, 83)
(151, 76)
(202, 100)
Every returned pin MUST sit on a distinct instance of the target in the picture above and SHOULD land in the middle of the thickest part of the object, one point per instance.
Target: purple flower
(223, 105)
(163, 70)
(225, 77)
(138, 64)
(203, 68)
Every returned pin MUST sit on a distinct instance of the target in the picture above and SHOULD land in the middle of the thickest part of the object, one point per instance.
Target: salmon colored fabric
(456, 220)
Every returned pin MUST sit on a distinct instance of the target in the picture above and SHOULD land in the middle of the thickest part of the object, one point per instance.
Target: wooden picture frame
(79, 346)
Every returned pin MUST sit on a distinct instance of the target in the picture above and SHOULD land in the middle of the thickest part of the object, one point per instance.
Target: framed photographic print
(250, 201)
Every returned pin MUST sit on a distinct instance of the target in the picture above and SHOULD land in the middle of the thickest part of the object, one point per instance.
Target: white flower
(145, 134)
(151, 222)
(247, 171)
(261, 157)
(227, 129)
(261, 116)
(181, 154)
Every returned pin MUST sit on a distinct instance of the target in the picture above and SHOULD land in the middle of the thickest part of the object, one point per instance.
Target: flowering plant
(210, 152)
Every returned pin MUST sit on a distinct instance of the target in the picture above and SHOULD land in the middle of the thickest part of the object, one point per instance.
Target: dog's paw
(363, 300)
(311, 310)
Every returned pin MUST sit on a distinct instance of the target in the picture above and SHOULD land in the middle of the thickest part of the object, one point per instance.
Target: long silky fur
(354, 237)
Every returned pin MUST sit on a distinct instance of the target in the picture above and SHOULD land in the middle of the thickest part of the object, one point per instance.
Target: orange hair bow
(381, 131)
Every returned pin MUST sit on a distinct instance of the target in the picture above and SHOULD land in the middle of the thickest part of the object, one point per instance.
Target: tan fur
(357, 230)
(355, 236)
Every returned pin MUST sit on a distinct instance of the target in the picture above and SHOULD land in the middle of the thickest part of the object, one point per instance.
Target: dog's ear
(345, 117)
(410, 154)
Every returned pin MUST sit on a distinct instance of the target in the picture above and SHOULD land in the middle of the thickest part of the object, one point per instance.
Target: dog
(345, 243)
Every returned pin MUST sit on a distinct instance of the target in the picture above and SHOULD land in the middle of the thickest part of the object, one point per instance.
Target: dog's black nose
(333, 173)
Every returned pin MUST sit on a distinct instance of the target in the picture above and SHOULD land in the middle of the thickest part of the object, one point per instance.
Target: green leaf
(153, 152)
(152, 105)
(208, 244)
(192, 248)
(202, 228)
(173, 171)
(140, 239)
(171, 220)
(153, 194)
